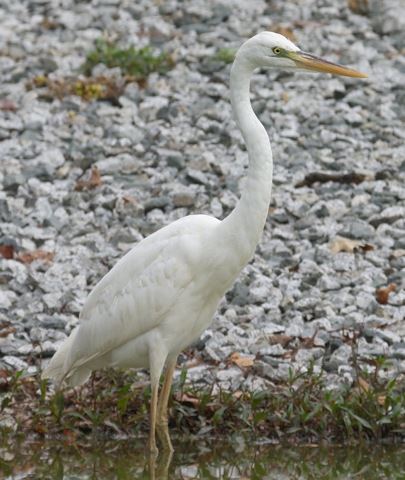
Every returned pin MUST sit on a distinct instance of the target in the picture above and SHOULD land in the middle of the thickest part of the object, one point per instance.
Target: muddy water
(193, 459)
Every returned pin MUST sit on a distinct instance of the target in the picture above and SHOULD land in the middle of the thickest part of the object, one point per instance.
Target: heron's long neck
(244, 226)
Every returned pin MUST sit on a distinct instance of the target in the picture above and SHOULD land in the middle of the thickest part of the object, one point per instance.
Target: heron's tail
(56, 369)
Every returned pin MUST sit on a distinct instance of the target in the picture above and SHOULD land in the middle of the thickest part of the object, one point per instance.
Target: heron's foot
(159, 467)
(162, 429)
(152, 448)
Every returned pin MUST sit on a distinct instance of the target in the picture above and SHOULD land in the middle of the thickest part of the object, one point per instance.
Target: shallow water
(124, 460)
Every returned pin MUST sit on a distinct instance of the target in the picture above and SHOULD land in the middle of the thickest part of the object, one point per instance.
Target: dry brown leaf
(308, 342)
(6, 331)
(7, 251)
(93, 182)
(382, 294)
(342, 244)
(4, 379)
(322, 177)
(39, 428)
(381, 400)
(238, 394)
(398, 253)
(69, 436)
(363, 385)
(241, 361)
(185, 398)
(366, 247)
(358, 6)
(29, 257)
(7, 105)
(283, 340)
(129, 199)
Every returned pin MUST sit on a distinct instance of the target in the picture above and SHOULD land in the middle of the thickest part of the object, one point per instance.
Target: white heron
(163, 293)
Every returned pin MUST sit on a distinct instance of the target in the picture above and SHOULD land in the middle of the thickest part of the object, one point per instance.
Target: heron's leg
(162, 417)
(153, 407)
(156, 360)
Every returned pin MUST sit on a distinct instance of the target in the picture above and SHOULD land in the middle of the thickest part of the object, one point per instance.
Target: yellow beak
(311, 62)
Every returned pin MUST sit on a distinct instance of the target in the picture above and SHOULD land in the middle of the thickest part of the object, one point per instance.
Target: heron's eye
(277, 50)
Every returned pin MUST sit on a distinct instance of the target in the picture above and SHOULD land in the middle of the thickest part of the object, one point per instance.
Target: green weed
(136, 62)
(301, 409)
(225, 55)
(89, 89)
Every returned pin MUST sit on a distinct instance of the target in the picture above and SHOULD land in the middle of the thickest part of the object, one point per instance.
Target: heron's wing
(136, 295)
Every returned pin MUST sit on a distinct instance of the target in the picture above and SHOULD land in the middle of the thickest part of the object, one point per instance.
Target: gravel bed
(327, 280)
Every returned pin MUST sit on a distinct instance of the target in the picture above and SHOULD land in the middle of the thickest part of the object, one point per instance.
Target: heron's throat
(245, 224)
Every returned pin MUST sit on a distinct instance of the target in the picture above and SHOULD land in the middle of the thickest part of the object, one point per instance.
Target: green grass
(225, 55)
(300, 409)
(136, 62)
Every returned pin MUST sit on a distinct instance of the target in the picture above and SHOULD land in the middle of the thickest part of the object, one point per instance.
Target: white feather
(139, 298)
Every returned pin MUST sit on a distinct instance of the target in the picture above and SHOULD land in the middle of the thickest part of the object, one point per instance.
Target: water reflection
(122, 460)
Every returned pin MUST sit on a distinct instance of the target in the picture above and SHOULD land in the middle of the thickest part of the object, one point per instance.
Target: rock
(358, 230)
(123, 163)
(307, 303)
(279, 373)
(294, 331)
(239, 294)
(197, 176)
(254, 383)
(389, 337)
(216, 208)
(159, 31)
(399, 353)
(183, 199)
(173, 158)
(7, 297)
(366, 302)
(388, 215)
(306, 356)
(150, 106)
(272, 328)
(231, 379)
(327, 282)
(344, 262)
(13, 181)
(353, 118)
(15, 363)
(341, 356)
(273, 350)
(133, 134)
(53, 322)
(157, 202)
(8, 423)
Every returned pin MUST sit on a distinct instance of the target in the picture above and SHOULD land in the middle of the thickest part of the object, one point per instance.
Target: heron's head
(269, 49)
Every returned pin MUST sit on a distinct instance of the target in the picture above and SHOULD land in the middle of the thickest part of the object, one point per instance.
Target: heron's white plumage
(150, 294)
